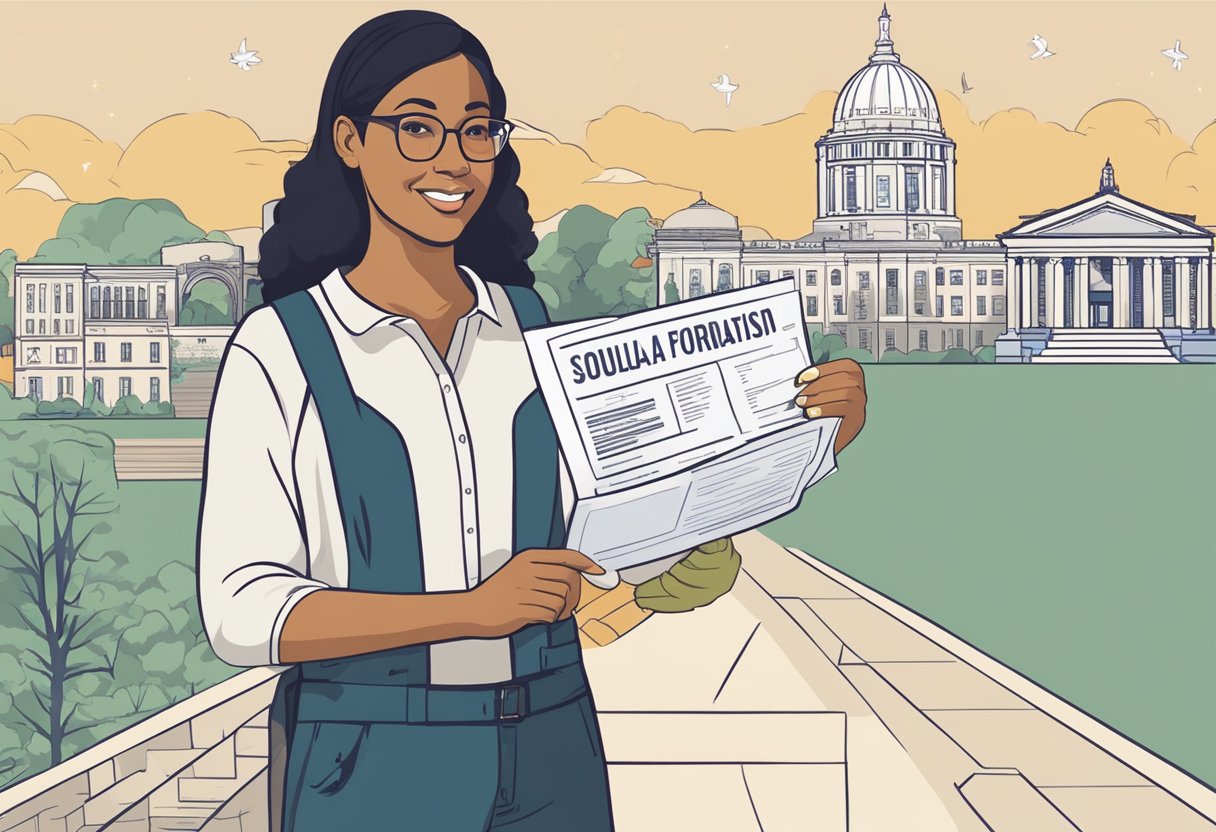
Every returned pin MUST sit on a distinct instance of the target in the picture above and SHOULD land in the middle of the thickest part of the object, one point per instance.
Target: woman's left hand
(835, 388)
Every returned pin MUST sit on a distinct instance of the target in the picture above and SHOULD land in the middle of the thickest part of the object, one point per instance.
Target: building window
(956, 304)
(912, 188)
(124, 386)
(922, 342)
(41, 297)
(981, 277)
(1041, 265)
(939, 195)
(843, 332)
(61, 355)
(889, 339)
(812, 305)
(979, 306)
(125, 351)
(838, 305)
(726, 276)
(850, 189)
(160, 301)
(855, 150)
(761, 276)
(1167, 288)
(811, 277)
(863, 338)
(892, 291)
(998, 277)
(71, 326)
(29, 298)
(956, 277)
(105, 303)
(29, 326)
(71, 298)
(154, 351)
(42, 326)
(943, 340)
(94, 302)
(58, 298)
(907, 148)
(998, 305)
(959, 340)
(55, 326)
(940, 275)
(99, 351)
(695, 290)
(883, 190)
(787, 274)
(835, 277)
(143, 302)
(939, 306)
(65, 386)
(979, 338)
(882, 149)
(130, 302)
(97, 388)
(154, 395)
(863, 280)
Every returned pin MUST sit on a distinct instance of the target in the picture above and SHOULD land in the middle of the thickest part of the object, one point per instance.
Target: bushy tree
(121, 231)
(594, 265)
(8, 261)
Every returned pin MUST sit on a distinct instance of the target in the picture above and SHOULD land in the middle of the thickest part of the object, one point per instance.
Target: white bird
(1041, 45)
(1176, 55)
(243, 57)
(85, 166)
(723, 84)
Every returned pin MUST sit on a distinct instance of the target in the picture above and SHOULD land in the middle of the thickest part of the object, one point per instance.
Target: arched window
(95, 302)
(724, 277)
(105, 302)
(835, 277)
(695, 289)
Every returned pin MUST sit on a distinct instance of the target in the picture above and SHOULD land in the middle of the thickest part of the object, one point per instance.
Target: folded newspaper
(678, 423)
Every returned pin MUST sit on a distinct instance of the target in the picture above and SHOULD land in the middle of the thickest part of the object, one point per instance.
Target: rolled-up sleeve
(252, 553)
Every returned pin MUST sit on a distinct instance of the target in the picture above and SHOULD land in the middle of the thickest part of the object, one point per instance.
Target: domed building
(886, 265)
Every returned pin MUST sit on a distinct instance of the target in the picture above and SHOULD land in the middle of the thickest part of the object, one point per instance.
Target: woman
(383, 503)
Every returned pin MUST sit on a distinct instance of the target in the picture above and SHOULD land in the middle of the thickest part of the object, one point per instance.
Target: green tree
(120, 232)
(671, 292)
(8, 261)
(61, 479)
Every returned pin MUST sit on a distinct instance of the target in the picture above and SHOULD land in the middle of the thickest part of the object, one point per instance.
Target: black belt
(326, 701)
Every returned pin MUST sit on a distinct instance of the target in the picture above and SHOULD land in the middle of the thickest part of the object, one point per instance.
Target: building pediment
(1107, 215)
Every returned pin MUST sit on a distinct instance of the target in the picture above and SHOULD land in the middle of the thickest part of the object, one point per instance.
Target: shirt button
(462, 439)
(447, 388)
(468, 491)
(469, 529)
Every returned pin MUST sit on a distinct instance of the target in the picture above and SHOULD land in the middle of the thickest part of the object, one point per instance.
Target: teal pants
(544, 773)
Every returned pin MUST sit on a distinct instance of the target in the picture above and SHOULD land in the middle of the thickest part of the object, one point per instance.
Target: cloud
(220, 172)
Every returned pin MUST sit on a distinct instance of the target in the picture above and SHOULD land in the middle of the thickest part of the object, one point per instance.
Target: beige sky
(565, 63)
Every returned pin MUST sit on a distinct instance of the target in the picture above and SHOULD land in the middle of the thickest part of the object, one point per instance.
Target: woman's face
(412, 194)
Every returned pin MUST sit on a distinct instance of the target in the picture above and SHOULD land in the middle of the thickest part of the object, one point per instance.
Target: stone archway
(200, 315)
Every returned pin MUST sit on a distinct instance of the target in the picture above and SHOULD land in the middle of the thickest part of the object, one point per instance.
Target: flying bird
(85, 166)
(243, 57)
(966, 88)
(1176, 55)
(723, 84)
(1041, 45)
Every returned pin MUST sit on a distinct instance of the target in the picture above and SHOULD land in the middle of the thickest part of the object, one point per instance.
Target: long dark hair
(322, 221)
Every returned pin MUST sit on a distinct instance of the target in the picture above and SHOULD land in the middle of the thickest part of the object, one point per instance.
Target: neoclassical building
(886, 265)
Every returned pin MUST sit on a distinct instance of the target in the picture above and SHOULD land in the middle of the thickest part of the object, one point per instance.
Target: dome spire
(884, 47)
(1108, 185)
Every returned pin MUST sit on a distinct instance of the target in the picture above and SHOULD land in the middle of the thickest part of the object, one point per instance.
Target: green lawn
(1057, 518)
(140, 427)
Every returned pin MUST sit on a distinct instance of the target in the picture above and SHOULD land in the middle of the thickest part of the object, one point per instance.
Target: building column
(1055, 305)
(1205, 292)
(1080, 295)
(1152, 293)
(1032, 291)
(1182, 293)
(1013, 294)
(1121, 296)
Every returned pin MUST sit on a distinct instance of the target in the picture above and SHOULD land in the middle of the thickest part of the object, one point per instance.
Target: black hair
(322, 222)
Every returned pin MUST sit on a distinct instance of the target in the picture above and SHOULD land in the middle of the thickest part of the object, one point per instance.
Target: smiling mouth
(447, 203)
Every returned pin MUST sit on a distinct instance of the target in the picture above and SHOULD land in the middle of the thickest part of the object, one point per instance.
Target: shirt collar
(358, 315)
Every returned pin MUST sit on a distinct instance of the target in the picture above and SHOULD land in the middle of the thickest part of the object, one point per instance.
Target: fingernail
(801, 401)
(808, 375)
(812, 412)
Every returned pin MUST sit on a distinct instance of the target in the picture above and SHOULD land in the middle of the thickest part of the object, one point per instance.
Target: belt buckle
(511, 702)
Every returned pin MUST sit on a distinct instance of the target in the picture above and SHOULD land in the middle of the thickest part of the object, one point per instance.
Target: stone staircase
(1105, 346)
(158, 459)
(192, 395)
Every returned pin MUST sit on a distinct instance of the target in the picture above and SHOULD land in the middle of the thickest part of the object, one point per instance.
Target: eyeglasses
(420, 137)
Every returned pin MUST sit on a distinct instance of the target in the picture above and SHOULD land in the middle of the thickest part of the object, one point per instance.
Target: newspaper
(678, 424)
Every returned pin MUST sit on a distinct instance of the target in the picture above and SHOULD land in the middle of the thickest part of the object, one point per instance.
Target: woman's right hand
(535, 586)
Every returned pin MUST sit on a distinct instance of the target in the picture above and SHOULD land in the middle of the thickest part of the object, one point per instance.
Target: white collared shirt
(270, 530)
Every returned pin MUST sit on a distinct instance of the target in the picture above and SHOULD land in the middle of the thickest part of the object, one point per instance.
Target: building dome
(885, 90)
(701, 215)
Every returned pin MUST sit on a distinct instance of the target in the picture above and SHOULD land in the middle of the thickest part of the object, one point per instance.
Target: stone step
(217, 790)
(1099, 359)
(1087, 337)
(1110, 351)
(160, 765)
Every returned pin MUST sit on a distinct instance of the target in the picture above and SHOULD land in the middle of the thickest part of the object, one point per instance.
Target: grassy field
(1057, 518)
(139, 427)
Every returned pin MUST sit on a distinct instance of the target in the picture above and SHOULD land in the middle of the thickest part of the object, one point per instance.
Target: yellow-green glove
(705, 575)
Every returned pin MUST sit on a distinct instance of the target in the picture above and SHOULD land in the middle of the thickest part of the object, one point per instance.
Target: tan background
(1029, 134)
